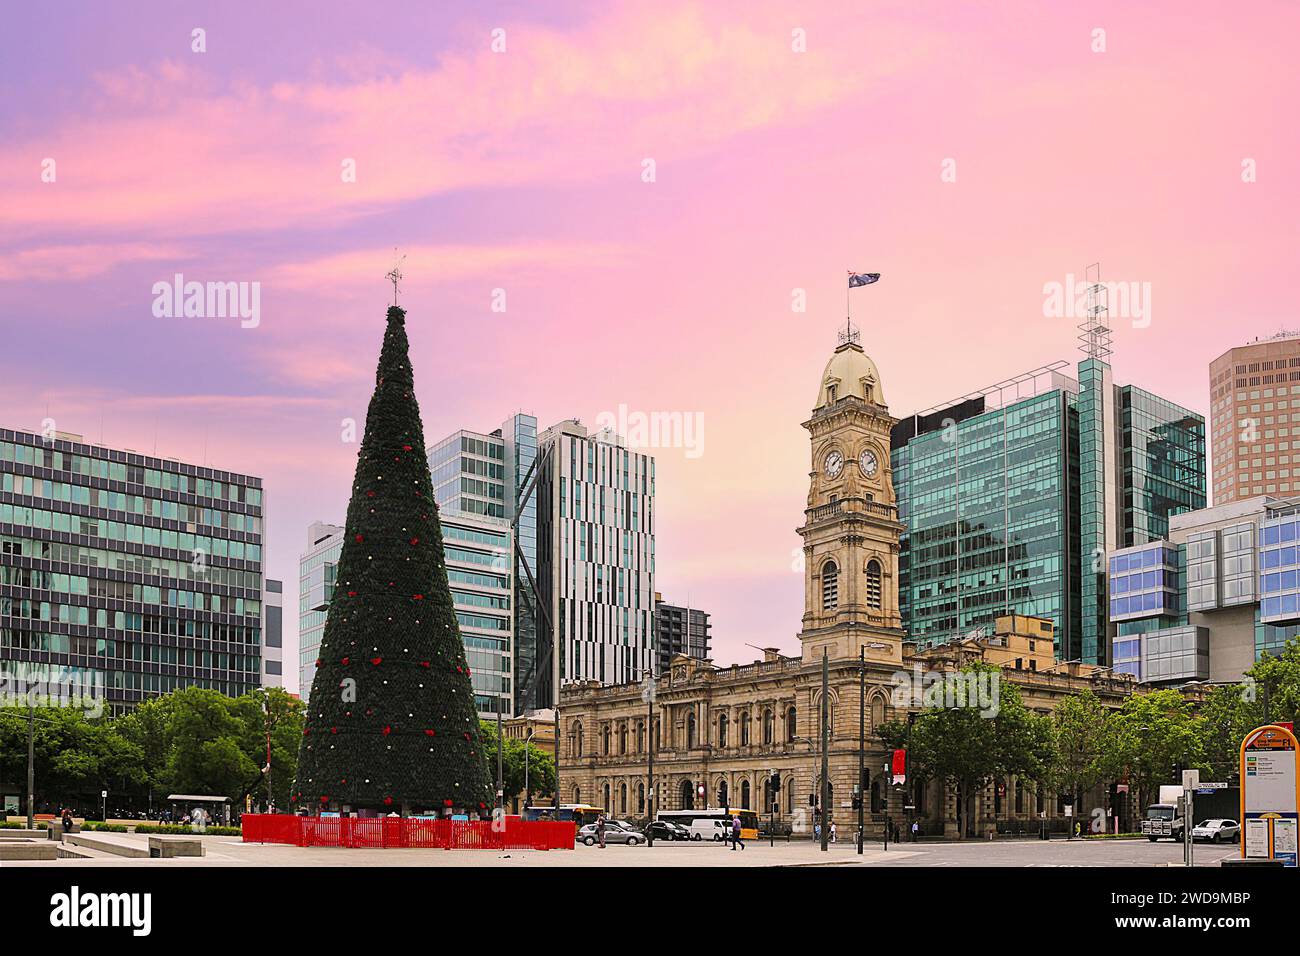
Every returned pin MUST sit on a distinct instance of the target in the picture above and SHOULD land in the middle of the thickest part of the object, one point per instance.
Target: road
(230, 851)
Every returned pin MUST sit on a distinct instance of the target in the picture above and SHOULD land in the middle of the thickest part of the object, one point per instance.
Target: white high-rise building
(595, 543)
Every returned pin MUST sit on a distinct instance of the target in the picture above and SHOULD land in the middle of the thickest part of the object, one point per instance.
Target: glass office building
(492, 475)
(596, 550)
(478, 553)
(317, 567)
(129, 574)
(986, 505)
(1012, 501)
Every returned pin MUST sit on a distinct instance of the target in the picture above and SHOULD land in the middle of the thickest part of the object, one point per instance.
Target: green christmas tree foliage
(391, 722)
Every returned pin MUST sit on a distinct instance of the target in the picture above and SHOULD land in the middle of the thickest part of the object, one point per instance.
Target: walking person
(735, 833)
(834, 833)
(916, 827)
(600, 830)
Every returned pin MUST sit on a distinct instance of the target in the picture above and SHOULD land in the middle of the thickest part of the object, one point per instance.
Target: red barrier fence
(390, 832)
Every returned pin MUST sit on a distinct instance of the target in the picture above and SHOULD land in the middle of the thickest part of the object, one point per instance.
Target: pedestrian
(600, 830)
(916, 829)
(817, 831)
(834, 833)
(736, 839)
(67, 820)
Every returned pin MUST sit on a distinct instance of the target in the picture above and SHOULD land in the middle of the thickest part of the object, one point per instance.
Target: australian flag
(862, 278)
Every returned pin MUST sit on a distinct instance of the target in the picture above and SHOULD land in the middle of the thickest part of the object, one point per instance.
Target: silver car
(616, 831)
(1216, 831)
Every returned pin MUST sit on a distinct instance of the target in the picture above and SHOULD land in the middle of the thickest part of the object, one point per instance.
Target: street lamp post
(826, 739)
(649, 694)
(528, 743)
(31, 763)
(862, 743)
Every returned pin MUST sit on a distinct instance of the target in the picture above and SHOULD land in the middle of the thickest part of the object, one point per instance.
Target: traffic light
(776, 783)
(857, 801)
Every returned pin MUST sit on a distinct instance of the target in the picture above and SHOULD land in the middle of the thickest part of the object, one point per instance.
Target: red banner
(398, 832)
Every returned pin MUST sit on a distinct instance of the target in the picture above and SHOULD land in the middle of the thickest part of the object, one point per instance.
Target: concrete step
(29, 850)
(83, 853)
(118, 844)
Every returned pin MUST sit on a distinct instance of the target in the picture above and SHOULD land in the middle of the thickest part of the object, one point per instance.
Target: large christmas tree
(391, 722)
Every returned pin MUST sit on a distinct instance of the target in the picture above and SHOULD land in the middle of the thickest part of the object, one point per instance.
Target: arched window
(577, 739)
(789, 725)
(830, 586)
(640, 736)
(690, 731)
(722, 730)
(622, 798)
(789, 795)
(744, 730)
(640, 798)
(577, 795)
(688, 795)
(605, 736)
(769, 725)
(622, 738)
(877, 711)
(744, 794)
(873, 584)
(607, 802)
(722, 793)
(767, 795)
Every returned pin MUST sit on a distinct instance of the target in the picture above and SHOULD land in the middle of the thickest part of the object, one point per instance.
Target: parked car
(667, 830)
(616, 831)
(1217, 831)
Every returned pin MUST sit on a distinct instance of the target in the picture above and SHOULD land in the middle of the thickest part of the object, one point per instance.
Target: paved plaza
(231, 851)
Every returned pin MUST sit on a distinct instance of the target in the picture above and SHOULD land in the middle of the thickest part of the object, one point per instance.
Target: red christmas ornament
(424, 663)
(417, 597)
(431, 733)
(359, 538)
(352, 594)
(387, 731)
(346, 661)
(370, 494)
(324, 798)
(406, 448)
(446, 803)
(306, 731)
(334, 730)
(467, 735)
(376, 661)
(415, 541)
(388, 801)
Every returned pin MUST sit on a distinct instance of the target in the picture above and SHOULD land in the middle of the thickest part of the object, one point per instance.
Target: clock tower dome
(851, 527)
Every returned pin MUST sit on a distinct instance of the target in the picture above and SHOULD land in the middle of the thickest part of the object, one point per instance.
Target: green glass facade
(989, 531)
(1013, 510)
(128, 575)
(1093, 381)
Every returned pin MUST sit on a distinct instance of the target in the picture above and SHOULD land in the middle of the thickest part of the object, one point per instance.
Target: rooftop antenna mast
(1094, 330)
(395, 275)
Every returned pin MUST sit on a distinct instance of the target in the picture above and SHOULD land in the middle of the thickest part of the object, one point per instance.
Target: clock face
(868, 463)
(834, 464)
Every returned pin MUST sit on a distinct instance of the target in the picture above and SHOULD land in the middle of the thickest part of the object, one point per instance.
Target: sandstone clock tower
(851, 526)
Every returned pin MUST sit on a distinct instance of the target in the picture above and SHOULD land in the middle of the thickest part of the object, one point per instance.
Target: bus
(580, 814)
(748, 818)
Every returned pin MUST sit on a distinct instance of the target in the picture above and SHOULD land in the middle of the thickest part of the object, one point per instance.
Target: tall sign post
(1270, 794)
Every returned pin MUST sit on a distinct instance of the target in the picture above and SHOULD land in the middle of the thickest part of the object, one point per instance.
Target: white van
(710, 829)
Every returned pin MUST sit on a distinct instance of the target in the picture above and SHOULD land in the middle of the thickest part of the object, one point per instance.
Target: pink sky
(776, 170)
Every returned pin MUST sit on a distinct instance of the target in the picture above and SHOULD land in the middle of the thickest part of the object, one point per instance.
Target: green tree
(967, 748)
(392, 722)
(1156, 735)
(540, 764)
(1083, 745)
